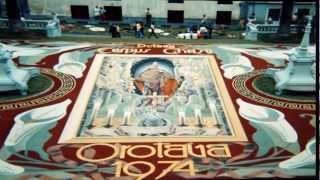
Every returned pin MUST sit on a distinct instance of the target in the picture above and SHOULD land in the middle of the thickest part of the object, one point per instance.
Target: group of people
(203, 30)
(99, 13)
(139, 26)
(139, 30)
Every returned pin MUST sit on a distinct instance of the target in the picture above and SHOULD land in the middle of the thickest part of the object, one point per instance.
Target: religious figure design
(155, 79)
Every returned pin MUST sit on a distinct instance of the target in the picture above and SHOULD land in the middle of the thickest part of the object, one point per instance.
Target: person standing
(142, 29)
(102, 14)
(210, 30)
(148, 17)
(118, 35)
(242, 23)
(270, 21)
(96, 13)
(138, 33)
(152, 30)
(115, 31)
(204, 20)
(203, 32)
(295, 18)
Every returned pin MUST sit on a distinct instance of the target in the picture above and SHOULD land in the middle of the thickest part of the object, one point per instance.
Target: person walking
(152, 31)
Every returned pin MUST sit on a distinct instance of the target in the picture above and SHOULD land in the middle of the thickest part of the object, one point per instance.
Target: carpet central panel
(143, 98)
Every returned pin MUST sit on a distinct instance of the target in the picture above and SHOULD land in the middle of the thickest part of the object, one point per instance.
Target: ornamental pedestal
(299, 74)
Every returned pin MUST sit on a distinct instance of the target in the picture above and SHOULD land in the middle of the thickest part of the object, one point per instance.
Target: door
(175, 16)
(113, 13)
(79, 12)
(223, 17)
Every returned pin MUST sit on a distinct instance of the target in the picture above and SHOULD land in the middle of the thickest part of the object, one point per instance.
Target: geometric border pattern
(281, 98)
(19, 99)
(67, 84)
(240, 86)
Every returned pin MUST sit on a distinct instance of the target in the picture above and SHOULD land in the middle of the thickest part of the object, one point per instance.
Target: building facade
(264, 10)
(128, 11)
(179, 12)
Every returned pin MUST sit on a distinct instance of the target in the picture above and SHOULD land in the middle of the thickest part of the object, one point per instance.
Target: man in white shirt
(152, 30)
(96, 12)
(204, 20)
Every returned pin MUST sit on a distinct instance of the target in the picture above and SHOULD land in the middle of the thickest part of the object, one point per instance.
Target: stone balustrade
(36, 24)
(253, 30)
(4, 23)
(271, 29)
(51, 27)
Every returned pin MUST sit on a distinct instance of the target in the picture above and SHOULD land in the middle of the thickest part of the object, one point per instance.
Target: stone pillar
(251, 32)
(53, 27)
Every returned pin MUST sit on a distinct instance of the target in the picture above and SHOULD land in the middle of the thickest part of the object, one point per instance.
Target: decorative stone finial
(306, 37)
(299, 73)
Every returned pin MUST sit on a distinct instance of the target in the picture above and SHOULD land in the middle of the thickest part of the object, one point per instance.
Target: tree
(14, 15)
(286, 17)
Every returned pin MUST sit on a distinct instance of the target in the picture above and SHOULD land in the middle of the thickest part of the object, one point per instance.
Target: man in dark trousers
(115, 31)
(148, 17)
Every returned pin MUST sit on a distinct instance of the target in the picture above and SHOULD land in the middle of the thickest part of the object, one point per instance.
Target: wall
(62, 7)
(132, 9)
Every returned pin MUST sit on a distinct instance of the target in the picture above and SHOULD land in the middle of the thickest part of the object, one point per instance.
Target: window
(175, 16)
(302, 13)
(223, 17)
(175, 1)
(113, 13)
(274, 14)
(225, 2)
(79, 12)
